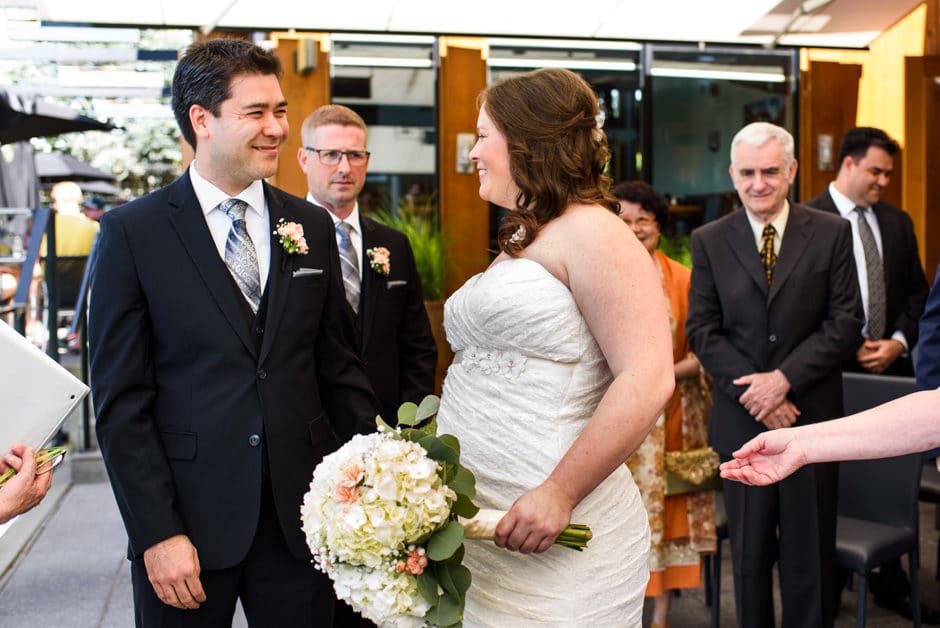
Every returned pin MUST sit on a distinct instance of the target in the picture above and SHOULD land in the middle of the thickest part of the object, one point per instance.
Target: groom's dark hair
(204, 75)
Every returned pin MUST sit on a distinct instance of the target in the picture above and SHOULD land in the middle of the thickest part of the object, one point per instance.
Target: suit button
(262, 374)
(772, 338)
(254, 440)
(259, 330)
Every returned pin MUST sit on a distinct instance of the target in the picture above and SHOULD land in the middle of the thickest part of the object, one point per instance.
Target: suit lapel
(278, 273)
(372, 283)
(795, 240)
(742, 244)
(187, 218)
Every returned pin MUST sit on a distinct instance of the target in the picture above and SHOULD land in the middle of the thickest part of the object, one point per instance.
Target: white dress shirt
(355, 236)
(256, 218)
(847, 210)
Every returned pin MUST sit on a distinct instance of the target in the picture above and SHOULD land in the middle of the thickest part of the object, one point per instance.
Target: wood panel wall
(464, 215)
(828, 106)
(304, 91)
(922, 145)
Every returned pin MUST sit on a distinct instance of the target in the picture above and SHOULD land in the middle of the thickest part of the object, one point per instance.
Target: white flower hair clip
(518, 235)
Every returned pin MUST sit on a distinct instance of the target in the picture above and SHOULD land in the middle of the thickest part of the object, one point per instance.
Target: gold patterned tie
(767, 256)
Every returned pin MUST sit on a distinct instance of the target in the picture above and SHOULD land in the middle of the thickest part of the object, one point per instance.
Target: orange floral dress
(682, 527)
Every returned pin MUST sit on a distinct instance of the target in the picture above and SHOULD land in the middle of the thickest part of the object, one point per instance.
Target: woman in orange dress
(682, 527)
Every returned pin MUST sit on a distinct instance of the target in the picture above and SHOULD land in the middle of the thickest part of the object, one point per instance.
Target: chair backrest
(861, 391)
(884, 490)
(70, 272)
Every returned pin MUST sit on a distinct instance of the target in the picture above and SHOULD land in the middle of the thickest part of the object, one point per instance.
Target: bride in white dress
(563, 363)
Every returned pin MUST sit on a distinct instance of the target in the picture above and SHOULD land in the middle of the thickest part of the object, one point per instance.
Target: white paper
(36, 393)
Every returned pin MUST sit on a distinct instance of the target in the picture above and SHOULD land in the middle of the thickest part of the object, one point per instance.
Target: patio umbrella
(56, 166)
(24, 116)
(104, 188)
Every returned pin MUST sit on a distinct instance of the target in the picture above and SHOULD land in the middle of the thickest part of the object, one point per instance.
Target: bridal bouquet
(385, 518)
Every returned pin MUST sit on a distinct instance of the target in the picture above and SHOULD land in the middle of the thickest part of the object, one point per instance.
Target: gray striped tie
(349, 263)
(240, 255)
(876, 278)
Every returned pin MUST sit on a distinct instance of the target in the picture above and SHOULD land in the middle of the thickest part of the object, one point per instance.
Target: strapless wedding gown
(526, 379)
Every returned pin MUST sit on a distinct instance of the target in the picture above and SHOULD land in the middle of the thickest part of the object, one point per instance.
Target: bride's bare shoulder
(588, 221)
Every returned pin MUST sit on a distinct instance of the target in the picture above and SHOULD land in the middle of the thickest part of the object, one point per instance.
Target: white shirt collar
(843, 204)
(209, 196)
(352, 218)
(779, 223)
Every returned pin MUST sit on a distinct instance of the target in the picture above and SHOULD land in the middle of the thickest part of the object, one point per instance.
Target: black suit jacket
(905, 283)
(187, 394)
(806, 324)
(395, 340)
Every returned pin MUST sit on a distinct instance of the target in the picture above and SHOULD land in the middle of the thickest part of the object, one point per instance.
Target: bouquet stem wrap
(483, 527)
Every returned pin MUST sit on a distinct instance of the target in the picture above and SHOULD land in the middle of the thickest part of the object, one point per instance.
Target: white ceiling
(839, 23)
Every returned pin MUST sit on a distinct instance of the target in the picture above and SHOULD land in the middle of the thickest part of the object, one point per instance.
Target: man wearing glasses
(383, 289)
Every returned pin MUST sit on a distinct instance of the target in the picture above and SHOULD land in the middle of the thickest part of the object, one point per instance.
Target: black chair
(930, 492)
(878, 518)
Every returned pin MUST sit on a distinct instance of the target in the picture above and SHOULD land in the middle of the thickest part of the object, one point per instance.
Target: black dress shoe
(902, 606)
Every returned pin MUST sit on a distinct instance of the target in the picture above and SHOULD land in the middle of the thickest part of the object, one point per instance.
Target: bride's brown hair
(557, 152)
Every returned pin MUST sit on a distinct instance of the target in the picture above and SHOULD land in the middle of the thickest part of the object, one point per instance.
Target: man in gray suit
(774, 310)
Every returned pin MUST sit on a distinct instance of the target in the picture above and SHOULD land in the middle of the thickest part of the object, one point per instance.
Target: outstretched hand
(535, 520)
(765, 459)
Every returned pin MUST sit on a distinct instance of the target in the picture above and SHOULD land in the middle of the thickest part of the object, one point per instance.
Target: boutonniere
(380, 260)
(292, 237)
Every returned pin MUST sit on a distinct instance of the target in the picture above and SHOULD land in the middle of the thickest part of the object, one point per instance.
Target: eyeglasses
(641, 221)
(333, 157)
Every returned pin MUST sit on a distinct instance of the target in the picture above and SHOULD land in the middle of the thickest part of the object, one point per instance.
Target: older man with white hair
(774, 310)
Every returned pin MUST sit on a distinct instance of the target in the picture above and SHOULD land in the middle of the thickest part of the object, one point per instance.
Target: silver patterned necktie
(240, 255)
(876, 278)
(349, 263)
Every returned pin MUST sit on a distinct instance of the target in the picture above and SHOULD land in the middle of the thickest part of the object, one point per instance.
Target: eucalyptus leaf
(428, 408)
(464, 507)
(414, 435)
(428, 587)
(464, 482)
(446, 581)
(449, 611)
(451, 441)
(445, 541)
(437, 450)
(460, 576)
(379, 422)
(406, 413)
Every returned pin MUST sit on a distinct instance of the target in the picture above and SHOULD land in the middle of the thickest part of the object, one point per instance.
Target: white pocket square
(395, 284)
(304, 272)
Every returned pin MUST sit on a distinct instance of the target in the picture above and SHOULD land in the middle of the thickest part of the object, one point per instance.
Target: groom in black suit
(394, 336)
(221, 361)
(774, 310)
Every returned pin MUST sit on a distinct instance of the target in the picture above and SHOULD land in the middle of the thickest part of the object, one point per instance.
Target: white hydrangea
(368, 502)
(388, 598)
